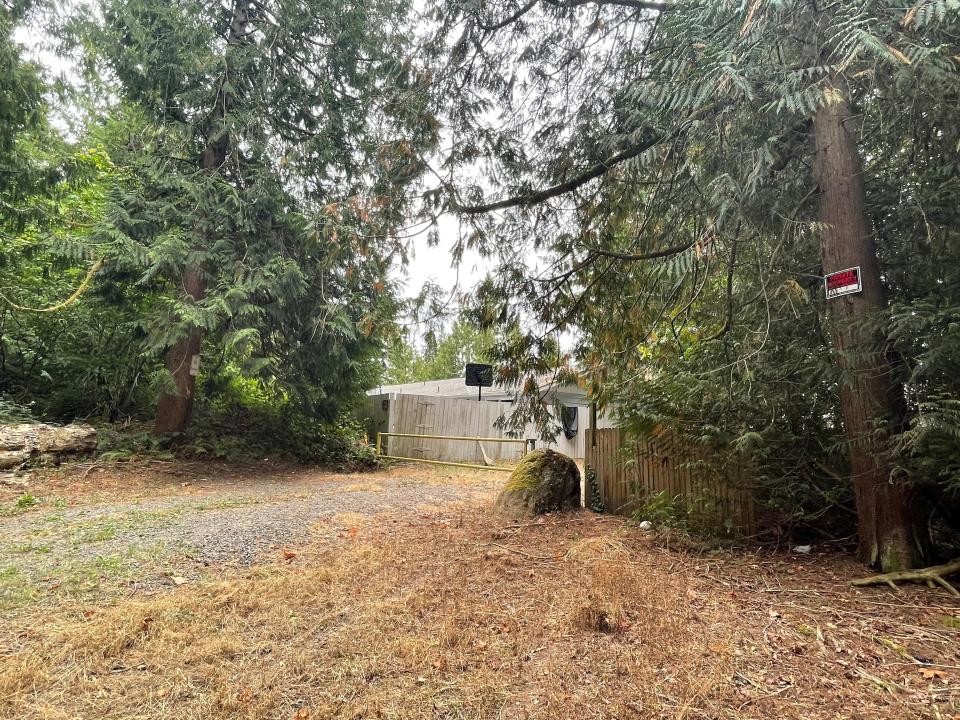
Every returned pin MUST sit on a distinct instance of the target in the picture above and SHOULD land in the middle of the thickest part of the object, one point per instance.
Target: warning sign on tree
(843, 282)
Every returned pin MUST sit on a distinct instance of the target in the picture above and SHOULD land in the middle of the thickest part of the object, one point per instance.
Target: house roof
(457, 388)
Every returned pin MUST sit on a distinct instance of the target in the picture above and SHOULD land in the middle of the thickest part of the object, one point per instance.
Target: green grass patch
(16, 589)
(25, 548)
(21, 505)
(96, 533)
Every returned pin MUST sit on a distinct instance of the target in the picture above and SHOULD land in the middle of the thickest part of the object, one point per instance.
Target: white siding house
(433, 393)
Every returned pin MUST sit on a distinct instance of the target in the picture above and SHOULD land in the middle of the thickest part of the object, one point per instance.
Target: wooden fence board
(428, 415)
(627, 475)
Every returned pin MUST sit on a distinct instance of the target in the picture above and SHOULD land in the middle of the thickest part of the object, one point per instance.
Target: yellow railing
(381, 435)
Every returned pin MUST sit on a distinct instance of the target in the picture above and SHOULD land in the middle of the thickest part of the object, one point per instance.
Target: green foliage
(25, 501)
(315, 117)
(13, 412)
(594, 501)
(240, 419)
(245, 419)
(662, 217)
(282, 199)
(445, 354)
(696, 515)
(661, 509)
(129, 442)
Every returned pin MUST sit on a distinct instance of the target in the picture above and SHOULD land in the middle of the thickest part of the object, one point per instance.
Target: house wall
(575, 447)
(433, 415)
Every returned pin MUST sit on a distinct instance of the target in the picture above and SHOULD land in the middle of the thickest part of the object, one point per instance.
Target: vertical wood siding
(437, 415)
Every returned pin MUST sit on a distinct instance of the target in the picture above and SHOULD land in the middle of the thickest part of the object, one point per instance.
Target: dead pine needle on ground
(451, 613)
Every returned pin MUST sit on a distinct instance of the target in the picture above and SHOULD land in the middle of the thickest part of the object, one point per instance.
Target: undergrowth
(695, 515)
(243, 420)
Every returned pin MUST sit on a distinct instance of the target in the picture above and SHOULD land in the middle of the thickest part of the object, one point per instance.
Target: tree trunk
(886, 521)
(174, 409)
(25, 441)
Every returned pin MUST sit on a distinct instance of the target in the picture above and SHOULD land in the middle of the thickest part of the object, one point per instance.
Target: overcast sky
(435, 264)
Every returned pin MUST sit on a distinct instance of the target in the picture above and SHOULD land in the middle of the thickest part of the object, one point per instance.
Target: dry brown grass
(450, 617)
(88, 483)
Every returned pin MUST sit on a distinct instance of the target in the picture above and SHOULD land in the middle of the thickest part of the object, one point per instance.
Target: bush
(343, 445)
(129, 442)
(238, 418)
(13, 412)
(696, 515)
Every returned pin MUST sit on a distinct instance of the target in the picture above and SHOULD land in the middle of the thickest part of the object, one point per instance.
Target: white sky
(435, 264)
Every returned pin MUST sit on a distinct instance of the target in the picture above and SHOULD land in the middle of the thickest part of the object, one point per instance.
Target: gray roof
(457, 388)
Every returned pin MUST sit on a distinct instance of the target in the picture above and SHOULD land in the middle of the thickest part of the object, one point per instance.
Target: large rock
(20, 443)
(544, 481)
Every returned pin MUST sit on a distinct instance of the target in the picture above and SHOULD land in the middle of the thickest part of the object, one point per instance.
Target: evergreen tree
(680, 163)
(445, 354)
(268, 147)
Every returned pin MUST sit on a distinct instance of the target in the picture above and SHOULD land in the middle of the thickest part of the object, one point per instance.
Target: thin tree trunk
(174, 409)
(886, 522)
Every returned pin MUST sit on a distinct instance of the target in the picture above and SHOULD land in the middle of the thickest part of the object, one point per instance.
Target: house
(450, 407)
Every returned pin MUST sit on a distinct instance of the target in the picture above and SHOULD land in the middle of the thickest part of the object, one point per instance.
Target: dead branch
(933, 574)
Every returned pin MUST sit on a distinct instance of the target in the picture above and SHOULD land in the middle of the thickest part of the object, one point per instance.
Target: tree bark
(174, 409)
(887, 525)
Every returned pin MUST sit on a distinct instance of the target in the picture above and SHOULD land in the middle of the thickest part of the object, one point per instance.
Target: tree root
(934, 574)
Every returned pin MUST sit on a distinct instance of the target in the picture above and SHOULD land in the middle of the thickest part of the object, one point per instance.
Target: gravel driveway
(174, 527)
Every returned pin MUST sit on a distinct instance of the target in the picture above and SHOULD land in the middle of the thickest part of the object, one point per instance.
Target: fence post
(379, 441)
(593, 424)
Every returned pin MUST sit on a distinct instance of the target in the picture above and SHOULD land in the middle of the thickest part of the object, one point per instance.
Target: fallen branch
(934, 574)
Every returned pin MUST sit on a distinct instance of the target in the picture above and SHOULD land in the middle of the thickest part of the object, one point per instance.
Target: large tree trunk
(886, 521)
(183, 359)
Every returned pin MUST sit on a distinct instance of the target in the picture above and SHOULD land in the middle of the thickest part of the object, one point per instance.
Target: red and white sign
(842, 282)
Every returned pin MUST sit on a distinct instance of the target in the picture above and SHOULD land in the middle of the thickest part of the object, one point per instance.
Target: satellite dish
(478, 375)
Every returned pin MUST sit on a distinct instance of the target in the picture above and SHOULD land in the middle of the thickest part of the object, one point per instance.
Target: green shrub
(13, 412)
(238, 418)
(128, 442)
(698, 515)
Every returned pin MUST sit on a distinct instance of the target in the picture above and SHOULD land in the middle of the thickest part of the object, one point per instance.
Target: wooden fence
(627, 476)
(439, 415)
(425, 415)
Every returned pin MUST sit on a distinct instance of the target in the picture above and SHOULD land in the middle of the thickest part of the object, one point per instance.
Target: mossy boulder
(544, 481)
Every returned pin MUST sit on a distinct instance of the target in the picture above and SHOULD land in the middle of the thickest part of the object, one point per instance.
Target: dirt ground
(174, 590)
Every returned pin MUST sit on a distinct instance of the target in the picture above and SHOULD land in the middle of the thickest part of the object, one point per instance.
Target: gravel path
(148, 541)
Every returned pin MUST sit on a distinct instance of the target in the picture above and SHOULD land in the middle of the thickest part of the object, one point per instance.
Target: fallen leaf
(289, 554)
(352, 532)
(930, 673)
(177, 580)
